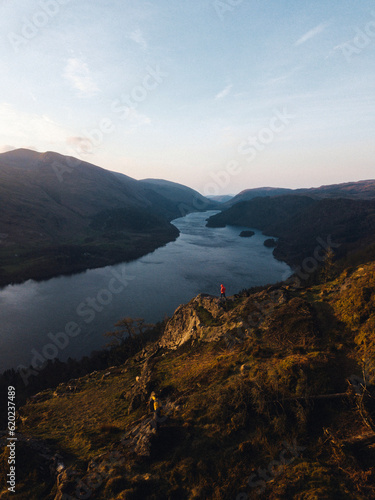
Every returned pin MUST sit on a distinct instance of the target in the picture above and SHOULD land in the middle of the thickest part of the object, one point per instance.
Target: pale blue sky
(273, 93)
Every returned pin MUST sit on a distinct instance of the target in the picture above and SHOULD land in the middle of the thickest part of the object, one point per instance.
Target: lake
(68, 315)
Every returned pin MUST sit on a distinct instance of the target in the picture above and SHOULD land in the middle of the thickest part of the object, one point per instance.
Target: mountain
(221, 198)
(364, 190)
(176, 195)
(269, 394)
(60, 215)
(249, 194)
(301, 223)
(261, 211)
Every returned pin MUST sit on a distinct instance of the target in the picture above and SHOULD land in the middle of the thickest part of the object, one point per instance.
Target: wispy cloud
(24, 126)
(223, 93)
(78, 74)
(280, 80)
(137, 37)
(80, 144)
(6, 148)
(136, 120)
(312, 33)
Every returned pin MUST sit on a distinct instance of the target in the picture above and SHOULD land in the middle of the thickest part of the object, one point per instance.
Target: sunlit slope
(269, 393)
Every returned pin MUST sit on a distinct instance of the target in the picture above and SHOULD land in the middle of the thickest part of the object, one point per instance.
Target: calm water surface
(68, 315)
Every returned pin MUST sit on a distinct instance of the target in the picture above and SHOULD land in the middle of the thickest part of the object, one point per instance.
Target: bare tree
(127, 328)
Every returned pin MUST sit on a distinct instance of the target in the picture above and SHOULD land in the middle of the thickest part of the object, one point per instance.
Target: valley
(60, 215)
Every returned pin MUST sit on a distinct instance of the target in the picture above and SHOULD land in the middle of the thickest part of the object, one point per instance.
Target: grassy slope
(231, 406)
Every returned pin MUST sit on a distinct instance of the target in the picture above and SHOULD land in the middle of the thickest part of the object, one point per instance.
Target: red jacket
(222, 289)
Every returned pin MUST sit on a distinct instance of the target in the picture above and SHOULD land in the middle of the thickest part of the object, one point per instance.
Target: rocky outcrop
(72, 483)
(197, 320)
(209, 319)
(140, 391)
(49, 462)
(66, 481)
(139, 438)
(103, 469)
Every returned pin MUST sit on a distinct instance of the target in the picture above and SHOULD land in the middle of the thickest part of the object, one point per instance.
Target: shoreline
(45, 267)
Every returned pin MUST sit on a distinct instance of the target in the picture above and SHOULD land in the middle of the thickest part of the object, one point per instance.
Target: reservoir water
(67, 316)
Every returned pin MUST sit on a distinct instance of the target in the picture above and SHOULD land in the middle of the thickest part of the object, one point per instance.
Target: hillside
(177, 195)
(221, 198)
(361, 190)
(62, 215)
(249, 194)
(266, 395)
(302, 223)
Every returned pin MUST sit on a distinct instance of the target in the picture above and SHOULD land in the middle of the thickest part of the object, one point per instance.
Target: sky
(219, 95)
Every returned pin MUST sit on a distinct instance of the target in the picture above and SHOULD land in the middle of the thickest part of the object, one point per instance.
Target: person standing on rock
(222, 291)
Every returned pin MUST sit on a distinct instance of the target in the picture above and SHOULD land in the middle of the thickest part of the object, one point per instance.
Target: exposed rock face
(49, 462)
(84, 484)
(209, 319)
(66, 480)
(190, 322)
(141, 389)
(139, 438)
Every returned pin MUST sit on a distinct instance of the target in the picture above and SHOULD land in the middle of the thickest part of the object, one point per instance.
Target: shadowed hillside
(249, 194)
(360, 190)
(302, 223)
(62, 215)
(176, 195)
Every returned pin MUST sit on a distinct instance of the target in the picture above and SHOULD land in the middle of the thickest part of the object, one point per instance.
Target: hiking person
(155, 408)
(222, 291)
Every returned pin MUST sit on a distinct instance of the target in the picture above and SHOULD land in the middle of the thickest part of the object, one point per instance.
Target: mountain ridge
(363, 189)
(62, 215)
(300, 222)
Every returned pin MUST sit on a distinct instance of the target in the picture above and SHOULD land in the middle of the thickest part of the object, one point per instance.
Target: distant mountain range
(63, 215)
(222, 198)
(60, 214)
(364, 190)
